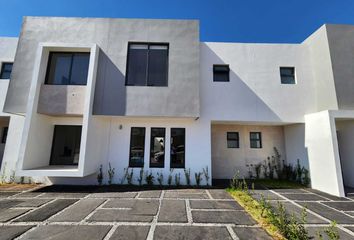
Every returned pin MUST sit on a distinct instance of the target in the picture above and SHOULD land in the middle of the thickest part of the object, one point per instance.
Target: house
(143, 93)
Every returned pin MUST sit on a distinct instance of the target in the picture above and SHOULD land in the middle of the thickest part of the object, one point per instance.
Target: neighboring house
(147, 93)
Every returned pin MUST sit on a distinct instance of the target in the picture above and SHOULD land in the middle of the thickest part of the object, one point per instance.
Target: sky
(263, 21)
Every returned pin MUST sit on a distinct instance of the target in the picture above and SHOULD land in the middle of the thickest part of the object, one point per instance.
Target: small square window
(6, 69)
(221, 73)
(256, 140)
(287, 75)
(233, 140)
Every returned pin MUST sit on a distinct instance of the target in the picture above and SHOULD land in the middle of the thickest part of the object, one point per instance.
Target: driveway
(151, 214)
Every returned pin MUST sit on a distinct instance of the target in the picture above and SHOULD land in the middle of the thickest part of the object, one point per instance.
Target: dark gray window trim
(215, 70)
(281, 75)
(164, 150)
(229, 138)
(184, 163)
(3, 69)
(256, 139)
(130, 145)
(147, 68)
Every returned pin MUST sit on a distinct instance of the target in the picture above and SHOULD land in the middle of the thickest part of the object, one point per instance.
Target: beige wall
(226, 161)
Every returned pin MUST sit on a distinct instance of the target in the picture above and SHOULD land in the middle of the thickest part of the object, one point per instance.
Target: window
(6, 69)
(137, 144)
(178, 142)
(221, 73)
(147, 64)
(287, 75)
(256, 139)
(67, 68)
(66, 145)
(157, 147)
(233, 140)
(4, 134)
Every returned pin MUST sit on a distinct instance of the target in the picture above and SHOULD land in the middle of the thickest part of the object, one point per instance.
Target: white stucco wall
(295, 144)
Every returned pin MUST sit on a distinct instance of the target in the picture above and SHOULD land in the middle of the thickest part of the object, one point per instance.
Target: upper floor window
(233, 140)
(221, 73)
(67, 68)
(287, 75)
(256, 139)
(6, 69)
(147, 64)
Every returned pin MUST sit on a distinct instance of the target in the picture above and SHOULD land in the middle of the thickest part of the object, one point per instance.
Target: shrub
(206, 175)
(141, 176)
(198, 178)
(110, 173)
(160, 178)
(149, 178)
(187, 174)
(177, 179)
(169, 180)
(100, 176)
(130, 177)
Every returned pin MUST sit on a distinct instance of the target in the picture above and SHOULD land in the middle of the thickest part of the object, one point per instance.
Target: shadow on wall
(110, 90)
(234, 100)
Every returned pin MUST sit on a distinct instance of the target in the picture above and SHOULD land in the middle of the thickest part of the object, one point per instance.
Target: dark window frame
(184, 154)
(151, 148)
(283, 75)
(215, 70)
(5, 131)
(71, 66)
(229, 138)
(147, 67)
(130, 150)
(259, 139)
(2, 70)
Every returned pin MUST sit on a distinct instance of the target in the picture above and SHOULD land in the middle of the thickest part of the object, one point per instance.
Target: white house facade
(147, 94)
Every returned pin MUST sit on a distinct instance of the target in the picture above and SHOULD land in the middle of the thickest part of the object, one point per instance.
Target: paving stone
(11, 232)
(7, 203)
(219, 194)
(328, 213)
(214, 204)
(119, 203)
(238, 217)
(191, 233)
(47, 211)
(63, 232)
(150, 194)
(114, 195)
(268, 195)
(186, 195)
(173, 211)
(326, 195)
(290, 190)
(78, 212)
(130, 233)
(313, 232)
(304, 197)
(188, 190)
(8, 214)
(350, 213)
(7, 194)
(63, 195)
(245, 233)
(28, 195)
(350, 228)
(145, 207)
(116, 215)
(33, 202)
(341, 206)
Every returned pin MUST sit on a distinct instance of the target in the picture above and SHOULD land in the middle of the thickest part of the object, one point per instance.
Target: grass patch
(277, 184)
(255, 210)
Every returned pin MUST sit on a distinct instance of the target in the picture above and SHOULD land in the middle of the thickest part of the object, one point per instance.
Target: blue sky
(220, 20)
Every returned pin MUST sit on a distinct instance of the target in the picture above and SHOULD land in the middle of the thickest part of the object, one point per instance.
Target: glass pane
(158, 67)
(177, 147)
(59, 68)
(137, 143)
(138, 46)
(157, 147)
(255, 144)
(79, 69)
(254, 135)
(6, 70)
(232, 143)
(221, 68)
(232, 135)
(221, 76)
(287, 75)
(137, 67)
(66, 145)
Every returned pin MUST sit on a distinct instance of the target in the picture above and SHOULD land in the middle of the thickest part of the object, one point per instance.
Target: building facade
(147, 94)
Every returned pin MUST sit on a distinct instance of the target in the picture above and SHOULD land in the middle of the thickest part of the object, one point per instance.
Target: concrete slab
(12, 232)
(191, 233)
(257, 194)
(8, 214)
(314, 231)
(119, 203)
(47, 211)
(64, 232)
(219, 194)
(238, 217)
(289, 190)
(214, 204)
(29, 195)
(326, 195)
(341, 206)
(130, 232)
(150, 194)
(114, 195)
(7, 194)
(63, 195)
(257, 233)
(115, 215)
(180, 195)
(8, 203)
(33, 202)
(304, 197)
(173, 211)
(145, 207)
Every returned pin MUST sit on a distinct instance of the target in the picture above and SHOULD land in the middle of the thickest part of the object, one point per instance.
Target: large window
(256, 140)
(137, 144)
(287, 75)
(157, 147)
(221, 73)
(233, 140)
(147, 64)
(178, 142)
(6, 69)
(67, 68)
(66, 145)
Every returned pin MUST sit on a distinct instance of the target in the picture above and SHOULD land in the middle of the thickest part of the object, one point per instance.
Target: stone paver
(115, 215)
(303, 197)
(290, 190)
(191, 233)
(257, 194)
(8, 214)
(11, 232)
(219, 194)
(214, 204)
(341, 206)
(173, 211)
(62, 232)
(114, 195)
(150, 194)
(32, 202)
(182, 195)
(313, 232)
(7, 194)
(7, 203)
(130, 233)
(251, 233)
(238, 217)
(63, 195)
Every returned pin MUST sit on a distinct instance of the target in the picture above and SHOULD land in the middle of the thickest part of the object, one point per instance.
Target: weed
(206, 175)
(100, 176)
(187, 174)
(198, 178)
(160, 178)
(149, 178)
(177, 179)
(110, 173)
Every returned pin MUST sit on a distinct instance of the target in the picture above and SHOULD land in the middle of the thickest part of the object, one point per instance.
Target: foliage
(3, 174)
(125, 175)
(141, 176)
(100, 176)
(111, 172)
(187, 174)
(177, 179)
(198, 178)
(12, 177)
(169, 180)
(206, 175)
(160, 178)
(332, 231)
(258, 169)
(149, 178)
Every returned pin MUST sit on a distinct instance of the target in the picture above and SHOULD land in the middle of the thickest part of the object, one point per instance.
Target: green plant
(12, 177)
(169, 180)
(177, 179)
(306, 178)
(149, 178)
(187, 174)
(160, 178)
(3, 174)
(235, 181)
(298, 170)
(110, 173)
(257, 169)
(100, 176)
(206, 175)
(125, 175)
(22, 180)
(141, 176)
(332, 231)
(198, 178)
